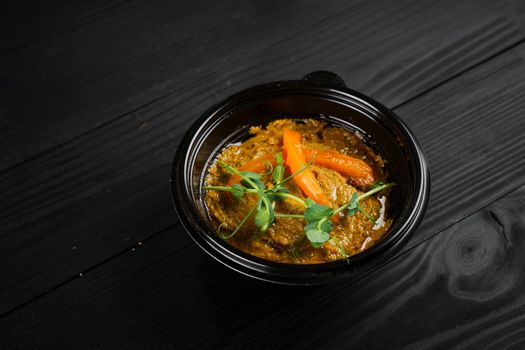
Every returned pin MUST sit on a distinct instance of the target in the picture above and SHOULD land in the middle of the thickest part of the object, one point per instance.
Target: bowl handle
(325, 78)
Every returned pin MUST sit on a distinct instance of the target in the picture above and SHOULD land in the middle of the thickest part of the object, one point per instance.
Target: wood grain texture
(76, 202)
(73, 67)
(460, 289)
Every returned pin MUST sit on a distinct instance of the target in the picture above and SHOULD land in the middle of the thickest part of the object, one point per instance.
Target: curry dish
(299, 191)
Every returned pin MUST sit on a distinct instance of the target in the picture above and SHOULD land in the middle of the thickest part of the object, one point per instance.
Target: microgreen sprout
(318, 217)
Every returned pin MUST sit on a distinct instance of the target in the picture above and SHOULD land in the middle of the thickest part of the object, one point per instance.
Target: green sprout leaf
(228, 168)
(237, 191)
(377, 185)
(265, 214)
(259, 185)
(310, 226)
(309, 202)
(269, 206)
(325, 226)
(262, 219)
(278, 189)
(273, 193)
(279, 158)
(250, 175)
(317, 211)
(278, 171)
(353, 204)
(317, 237)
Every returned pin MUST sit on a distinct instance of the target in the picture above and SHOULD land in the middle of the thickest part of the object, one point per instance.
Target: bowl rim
(285, 273)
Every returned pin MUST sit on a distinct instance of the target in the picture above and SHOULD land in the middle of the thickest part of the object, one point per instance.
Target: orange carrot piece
(256, 165)
(295, 160)
(360, 172)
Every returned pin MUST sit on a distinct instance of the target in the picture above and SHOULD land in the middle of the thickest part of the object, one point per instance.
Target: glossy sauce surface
(285, 241)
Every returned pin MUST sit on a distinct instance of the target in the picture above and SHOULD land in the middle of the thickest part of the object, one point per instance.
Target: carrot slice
(256, 165)
(295, 160)
(360, 172)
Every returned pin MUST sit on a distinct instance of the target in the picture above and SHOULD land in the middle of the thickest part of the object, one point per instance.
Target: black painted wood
(152, 277)
(74, 67)
(462, 288)
(95, 196)
(95, 96)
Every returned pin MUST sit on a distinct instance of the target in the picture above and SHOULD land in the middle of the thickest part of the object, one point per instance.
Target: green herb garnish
(317, 216)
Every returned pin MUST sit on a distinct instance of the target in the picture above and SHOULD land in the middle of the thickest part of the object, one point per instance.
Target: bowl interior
(234, 124)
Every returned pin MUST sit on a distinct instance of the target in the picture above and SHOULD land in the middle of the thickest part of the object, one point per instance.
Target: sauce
(285, 240)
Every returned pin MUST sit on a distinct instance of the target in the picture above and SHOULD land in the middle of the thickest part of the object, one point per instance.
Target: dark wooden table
(95, 96)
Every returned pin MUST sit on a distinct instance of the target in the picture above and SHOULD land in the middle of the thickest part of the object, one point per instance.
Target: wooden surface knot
(479, 256)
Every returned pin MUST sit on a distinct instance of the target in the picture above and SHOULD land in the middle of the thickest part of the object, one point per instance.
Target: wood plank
(462, 288)
(80, 67)
(72, 208)
(121, 56)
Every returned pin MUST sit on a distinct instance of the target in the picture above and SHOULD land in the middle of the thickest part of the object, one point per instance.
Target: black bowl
(318, 95)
